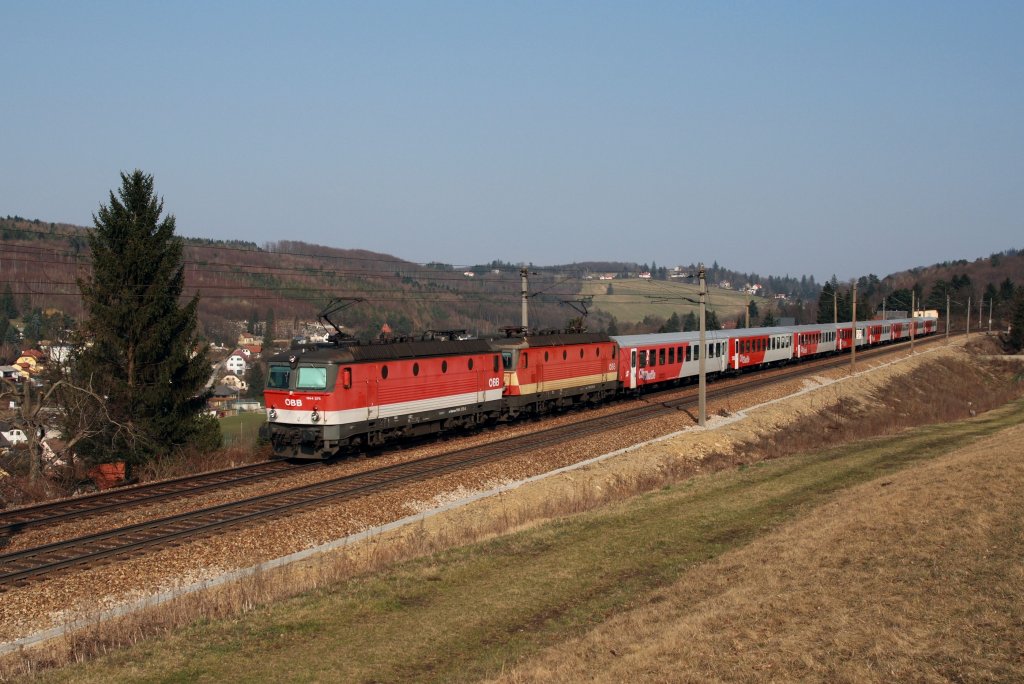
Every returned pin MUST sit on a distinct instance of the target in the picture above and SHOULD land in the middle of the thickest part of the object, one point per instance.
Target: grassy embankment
(480, 610)
(242, 430)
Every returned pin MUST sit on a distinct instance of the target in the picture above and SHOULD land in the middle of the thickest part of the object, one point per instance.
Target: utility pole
(913, 322)
(747, 311)
(27, 410)
(835, 305)
(968, 318)
(990, 316)
(883, 308)
(981, 303)
(853, 331)
(523, 274)
(947, 319)
(703, 385)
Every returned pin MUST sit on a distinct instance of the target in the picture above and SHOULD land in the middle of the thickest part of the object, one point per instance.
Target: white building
(236, 363)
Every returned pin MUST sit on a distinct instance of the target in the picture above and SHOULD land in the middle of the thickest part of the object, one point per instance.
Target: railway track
(19, 519)
(29, 565)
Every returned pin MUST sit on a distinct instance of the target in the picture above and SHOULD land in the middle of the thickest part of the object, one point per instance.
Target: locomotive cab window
(346, 378)
(278, 377)
(311, 378)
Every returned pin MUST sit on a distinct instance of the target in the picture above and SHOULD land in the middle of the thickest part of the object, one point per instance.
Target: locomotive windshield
(278, 377)
(311, 378)
(506, 358)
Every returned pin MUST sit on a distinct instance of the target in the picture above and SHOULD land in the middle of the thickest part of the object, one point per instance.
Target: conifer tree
(144, 353)
(826, 305)
(1017, 323)
(8, 309)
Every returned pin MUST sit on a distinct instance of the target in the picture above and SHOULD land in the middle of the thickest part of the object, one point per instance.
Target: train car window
(384, 372)
(643, 358)
(679, 354)
(597, 351)
(671, 355)
(311, 378)
(508, 361)
(279, 377)
(661, 356)
(526, 360)
(696, 353)
(718, 349)
(581, 352)
(497, 363)
(545, 356)
(444, 366)
(346, 378)
(565, 355)
(415, 369)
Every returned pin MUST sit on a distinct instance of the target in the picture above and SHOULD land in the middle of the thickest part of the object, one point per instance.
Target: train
(326, 399)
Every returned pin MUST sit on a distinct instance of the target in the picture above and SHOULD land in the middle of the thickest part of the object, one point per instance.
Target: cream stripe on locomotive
(304, 416)
(567, 383)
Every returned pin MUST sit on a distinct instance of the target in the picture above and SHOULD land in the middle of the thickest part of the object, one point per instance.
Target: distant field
(633, 299)
(241, 430)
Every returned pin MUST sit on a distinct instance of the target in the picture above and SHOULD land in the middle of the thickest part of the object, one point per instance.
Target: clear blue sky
(776, 137)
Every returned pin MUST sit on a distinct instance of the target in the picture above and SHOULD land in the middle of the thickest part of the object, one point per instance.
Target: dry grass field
(913, 576)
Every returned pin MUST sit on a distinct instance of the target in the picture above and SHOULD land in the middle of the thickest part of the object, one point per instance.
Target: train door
(372, 392)
(632, 369)
(480, 378)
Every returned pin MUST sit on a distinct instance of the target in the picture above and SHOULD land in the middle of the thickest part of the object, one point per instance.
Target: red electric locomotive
(555, 371)
(323, 398)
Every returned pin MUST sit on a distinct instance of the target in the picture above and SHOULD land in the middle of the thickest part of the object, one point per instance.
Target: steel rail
(17, 520)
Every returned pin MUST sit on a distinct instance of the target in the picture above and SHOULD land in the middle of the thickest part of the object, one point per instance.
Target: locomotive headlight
(315, 417)
(273, 414)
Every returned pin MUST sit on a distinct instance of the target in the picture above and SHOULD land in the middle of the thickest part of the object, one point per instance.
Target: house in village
(236, 363)
(31, 362)
(248, 338)
(234, 382)
(221, 398)
(11, 435)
